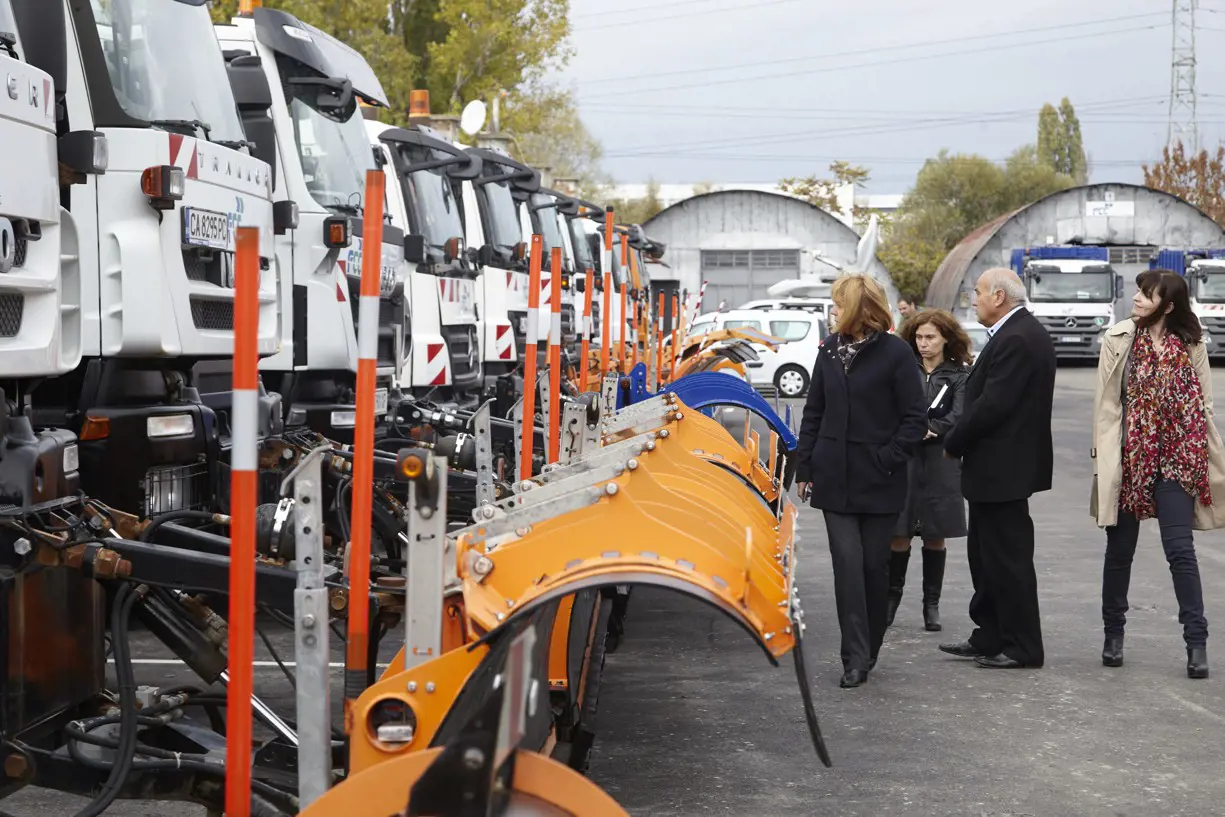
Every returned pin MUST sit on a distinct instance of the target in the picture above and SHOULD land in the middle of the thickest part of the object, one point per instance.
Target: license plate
(380, 401)
(204, 228)
(1070, 339)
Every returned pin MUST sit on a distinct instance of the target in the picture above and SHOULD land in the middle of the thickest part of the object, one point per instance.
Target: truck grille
(215, 315)
(1079, 323)
(390, 311)
(465, 355)
(569, 328)
(175, 488)
(1213, 323)
(12, 308)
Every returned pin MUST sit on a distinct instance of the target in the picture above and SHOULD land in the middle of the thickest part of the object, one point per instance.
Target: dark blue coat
(861, 427)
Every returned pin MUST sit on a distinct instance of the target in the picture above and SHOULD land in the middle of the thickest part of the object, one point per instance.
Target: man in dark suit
(1004, 440)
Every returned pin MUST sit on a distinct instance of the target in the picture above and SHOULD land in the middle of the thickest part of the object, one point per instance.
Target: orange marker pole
(606, 316)
(244, 469)
(357, 644)
(585, 348)
(625, 286)
(555, 358)
(529, 359)
(675, 340)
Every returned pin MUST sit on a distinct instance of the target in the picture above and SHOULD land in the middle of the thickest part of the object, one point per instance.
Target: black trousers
(859, 548)
(1004, 608)
(1175, 516)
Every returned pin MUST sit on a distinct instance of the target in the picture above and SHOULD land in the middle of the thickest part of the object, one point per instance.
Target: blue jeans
(1175, 514)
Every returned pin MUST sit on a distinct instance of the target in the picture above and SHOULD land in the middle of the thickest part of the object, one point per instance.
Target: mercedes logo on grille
(1070, 323)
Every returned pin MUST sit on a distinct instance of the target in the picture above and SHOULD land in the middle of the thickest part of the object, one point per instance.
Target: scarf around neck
(1166, 433)
(848, 349)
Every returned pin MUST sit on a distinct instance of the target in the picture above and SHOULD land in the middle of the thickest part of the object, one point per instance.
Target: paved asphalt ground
(695, 722)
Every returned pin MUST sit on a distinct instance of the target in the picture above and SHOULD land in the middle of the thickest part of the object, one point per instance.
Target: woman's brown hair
(956, 341)
(1169, 289)
(862, 305)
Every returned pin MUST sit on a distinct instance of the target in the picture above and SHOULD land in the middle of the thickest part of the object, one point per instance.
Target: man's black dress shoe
(1112, 652)
(1000, 661)
(963, 650)
(1197, 662)
(853, 678)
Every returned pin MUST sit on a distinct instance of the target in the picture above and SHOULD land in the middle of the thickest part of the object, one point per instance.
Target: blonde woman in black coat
(935, 509)
(864, 418)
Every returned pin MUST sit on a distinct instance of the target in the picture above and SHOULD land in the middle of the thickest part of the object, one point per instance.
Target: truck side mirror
(414, 248)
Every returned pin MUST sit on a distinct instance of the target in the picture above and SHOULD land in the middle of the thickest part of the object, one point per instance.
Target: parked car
(787, 369)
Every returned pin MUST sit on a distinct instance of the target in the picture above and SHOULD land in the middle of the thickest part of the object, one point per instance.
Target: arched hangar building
(742, 241)
(1120, 224)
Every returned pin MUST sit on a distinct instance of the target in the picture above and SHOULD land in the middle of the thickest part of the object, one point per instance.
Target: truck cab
(1204, 270)
(1072, 292)
(148, 261)
(540, 212)
(493, 220)
(316, 140)
(428, 174)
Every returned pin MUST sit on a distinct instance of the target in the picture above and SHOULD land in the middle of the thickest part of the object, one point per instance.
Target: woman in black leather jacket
(935, 510)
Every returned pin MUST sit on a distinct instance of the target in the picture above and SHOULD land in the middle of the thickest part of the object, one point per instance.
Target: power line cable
(871, 64)
(859, 52)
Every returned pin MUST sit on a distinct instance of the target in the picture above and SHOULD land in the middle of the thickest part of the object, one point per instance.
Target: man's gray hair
(1001, 279)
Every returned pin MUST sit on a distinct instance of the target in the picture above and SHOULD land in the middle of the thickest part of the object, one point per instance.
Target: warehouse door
(738, 276)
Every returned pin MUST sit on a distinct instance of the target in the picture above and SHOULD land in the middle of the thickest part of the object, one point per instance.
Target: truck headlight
(169, 425)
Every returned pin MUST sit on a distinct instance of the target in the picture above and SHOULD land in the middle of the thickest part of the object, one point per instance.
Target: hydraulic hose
(174, 516)
(125, 751)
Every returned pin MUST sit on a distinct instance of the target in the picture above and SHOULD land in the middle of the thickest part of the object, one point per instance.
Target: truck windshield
(582, 250)
(335, 154)
(434, 201)
(1049, 285)
(1210, 285)
(546, 222)
(8, 23)
(503, 225)
(165, 66)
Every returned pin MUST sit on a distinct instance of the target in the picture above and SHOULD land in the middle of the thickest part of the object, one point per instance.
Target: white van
(786, 370)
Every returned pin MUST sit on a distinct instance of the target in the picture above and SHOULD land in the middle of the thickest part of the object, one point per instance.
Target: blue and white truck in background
(1072, 291)
(1205, 273)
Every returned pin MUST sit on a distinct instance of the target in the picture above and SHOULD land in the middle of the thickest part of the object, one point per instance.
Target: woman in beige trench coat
(1156, 453)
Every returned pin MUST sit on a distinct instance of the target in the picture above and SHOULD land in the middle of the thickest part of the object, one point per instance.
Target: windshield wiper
(8, 41)
(189, 126)
(344, 207)
(235, 144)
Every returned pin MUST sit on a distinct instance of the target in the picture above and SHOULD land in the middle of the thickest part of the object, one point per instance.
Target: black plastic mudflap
(583, 735)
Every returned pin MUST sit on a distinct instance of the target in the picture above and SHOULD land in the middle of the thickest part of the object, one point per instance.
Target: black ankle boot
(1112, 652)
(898, 560)
(933, 583)
(1197, 662)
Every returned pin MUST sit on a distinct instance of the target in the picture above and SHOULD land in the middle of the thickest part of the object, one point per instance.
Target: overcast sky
(741, 91)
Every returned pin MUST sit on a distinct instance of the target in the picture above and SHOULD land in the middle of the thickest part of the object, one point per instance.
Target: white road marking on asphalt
(1194, 707)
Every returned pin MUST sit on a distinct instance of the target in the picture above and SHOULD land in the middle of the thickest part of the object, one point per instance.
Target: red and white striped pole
(606, 315)
(585, 348)
(358, 642)
(244, 472)
(529, 360)
(555, 358)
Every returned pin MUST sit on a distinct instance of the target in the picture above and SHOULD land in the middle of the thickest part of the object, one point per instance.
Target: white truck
(1204, 270)
(424, 174)
(540, 212)
(493, 220)
(147, 269)
(1072, 292)
(316, 141)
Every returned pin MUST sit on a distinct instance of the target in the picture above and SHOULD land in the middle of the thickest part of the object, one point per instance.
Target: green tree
(1060, 145)
(1197, 178)
(823, 192)
(550, 133)
(640, 210)
(952, 196)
